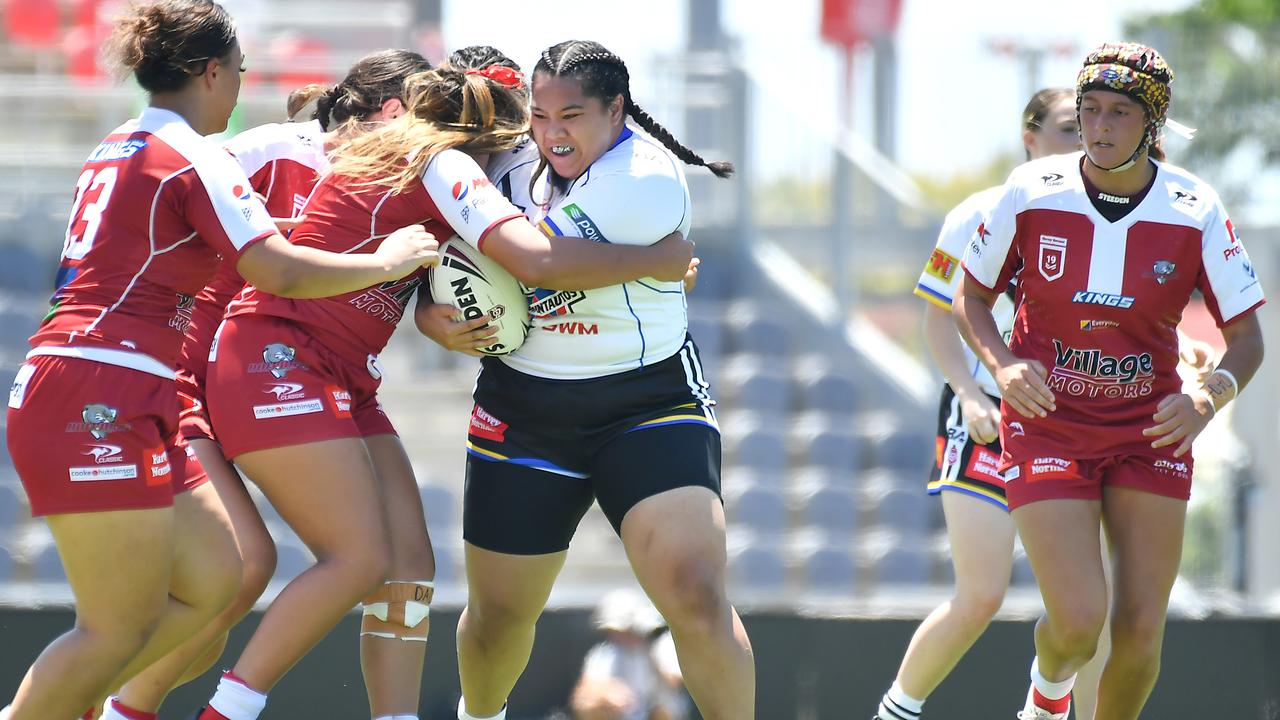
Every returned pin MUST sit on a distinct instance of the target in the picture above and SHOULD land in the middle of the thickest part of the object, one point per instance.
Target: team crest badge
(279, 359)
(1163, 270)
(100, 419)
(1053, 256)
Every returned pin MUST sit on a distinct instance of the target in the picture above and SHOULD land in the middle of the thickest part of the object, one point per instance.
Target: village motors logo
(1090, 372)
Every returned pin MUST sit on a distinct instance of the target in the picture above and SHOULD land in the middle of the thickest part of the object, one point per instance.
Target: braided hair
(603, 75)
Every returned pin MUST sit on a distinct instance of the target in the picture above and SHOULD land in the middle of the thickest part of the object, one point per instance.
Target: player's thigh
(513, 509)
(251, 535)
(650, 461)
(206, 561)
(1061, 538)
(506, 589)
(1145, 532)
(118, 563)
(327, 493)
(981, 534)
(411, 556)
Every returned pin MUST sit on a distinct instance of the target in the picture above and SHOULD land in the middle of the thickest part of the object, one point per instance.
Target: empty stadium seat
(834, 448)
(830, 568)
(905, 511)
(908, 451)
(831, 509)
(757, 508)
(751, 331)
(47, 566)
(766, 391)
(757, 568)
(904, 563)
(762, 451)
(13, 506)
(827, 391)
(36, 23)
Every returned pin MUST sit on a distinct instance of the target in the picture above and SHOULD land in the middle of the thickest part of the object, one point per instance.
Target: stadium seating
(757, 508)
(758, 568)
(831, 569)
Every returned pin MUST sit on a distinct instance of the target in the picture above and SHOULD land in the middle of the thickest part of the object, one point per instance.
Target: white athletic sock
(1049, 689)
(898, 705)
(464, 715)
(396, 717)
(4, 712)
(236, 700)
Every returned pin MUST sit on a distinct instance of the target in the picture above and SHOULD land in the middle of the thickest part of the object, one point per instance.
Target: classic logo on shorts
(1053, 256)
(279, 359)
(285, 391)
(1090, 372)
(99, 420)
(103, 454)
(1016, 429)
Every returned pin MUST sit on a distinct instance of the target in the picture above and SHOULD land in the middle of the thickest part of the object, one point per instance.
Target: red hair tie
(501, 74)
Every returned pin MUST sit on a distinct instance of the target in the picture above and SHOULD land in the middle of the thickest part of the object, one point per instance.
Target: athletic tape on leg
(399, 610)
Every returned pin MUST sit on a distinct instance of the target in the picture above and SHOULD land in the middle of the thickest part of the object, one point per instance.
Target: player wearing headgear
(307, 426)
(1106, 248)
(283, 162)
(967, 453)
(93, 414)
(605, 401)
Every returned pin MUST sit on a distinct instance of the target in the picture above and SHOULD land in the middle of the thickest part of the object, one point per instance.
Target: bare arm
(570, 263)
(981, 416)
(1022, 382)
(1182, 417)
(281, 268)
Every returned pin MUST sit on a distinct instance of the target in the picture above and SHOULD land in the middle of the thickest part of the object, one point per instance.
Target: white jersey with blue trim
(634, 194)
(940, 279)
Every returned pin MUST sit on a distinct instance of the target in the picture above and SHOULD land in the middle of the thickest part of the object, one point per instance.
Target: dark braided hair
(373, 80)
(603, 75)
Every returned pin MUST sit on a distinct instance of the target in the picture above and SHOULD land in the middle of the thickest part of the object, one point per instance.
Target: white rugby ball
(480, 287)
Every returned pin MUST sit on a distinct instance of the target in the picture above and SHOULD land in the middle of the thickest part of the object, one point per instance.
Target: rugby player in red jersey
(284, 161)
(1106, 248)
(292, 385)
(93, 414)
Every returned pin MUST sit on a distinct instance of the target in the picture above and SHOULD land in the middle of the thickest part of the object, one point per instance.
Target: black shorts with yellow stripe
(539, 451)
(960, 464)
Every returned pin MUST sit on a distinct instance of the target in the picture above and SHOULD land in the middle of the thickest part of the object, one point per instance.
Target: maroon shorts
(86, 436)
(193, 414)
(271, 384)
(1053, 478)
